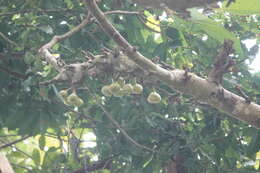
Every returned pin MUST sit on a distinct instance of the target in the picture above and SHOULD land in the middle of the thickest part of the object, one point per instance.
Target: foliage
(207, 140)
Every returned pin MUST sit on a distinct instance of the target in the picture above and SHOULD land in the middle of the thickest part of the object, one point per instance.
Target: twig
(86, 117)
(13, 73)
(229, 2)
(102, 164)
(58, 63)
(15, 55)
(109, 116)
(24, 153)
(14, 142)
(247, 98)
(222, 63)
(20, 166)
(8, 40)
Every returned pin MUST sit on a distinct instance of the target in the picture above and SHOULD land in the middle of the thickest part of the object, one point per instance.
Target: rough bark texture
(5, 166)
(205, 90)
(188, 83)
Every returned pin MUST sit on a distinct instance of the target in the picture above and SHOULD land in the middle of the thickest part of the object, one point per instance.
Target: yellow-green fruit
(137, 89)
(114, 87)
(63, 93)
(127, 89)
(188, 65)
(121, 81)
(71, 113)
(74, 100)
(119, 93)
(106, 91)
(79, 102)
(154, 98)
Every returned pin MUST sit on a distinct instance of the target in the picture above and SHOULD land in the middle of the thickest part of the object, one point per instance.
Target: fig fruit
(114, 87)
(63, 93)
(137, 89)
(106, 91)
(74, 100)
(119, 93)
(154, 98)
(121, 81)
(127, 89)
(79, 102)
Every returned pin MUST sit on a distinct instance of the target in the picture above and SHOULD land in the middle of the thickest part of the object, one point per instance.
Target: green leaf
(244, 7)
(36, 157)
(215, 30)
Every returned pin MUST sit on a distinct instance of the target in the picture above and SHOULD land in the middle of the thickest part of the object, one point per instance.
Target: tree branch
(202, 89)
(109, 116)
(8, 40)
(13, 73)
(222, 63)
(5, 166)
(14, 142)
(102, 164)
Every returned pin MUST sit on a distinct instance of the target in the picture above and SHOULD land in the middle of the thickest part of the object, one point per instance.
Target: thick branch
(5, 166)
(58, 63)
(222, 63)
(202, 89)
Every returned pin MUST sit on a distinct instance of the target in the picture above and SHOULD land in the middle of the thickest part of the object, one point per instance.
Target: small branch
(202, 89)
(23, 167)
(13, 73)
(247, 99)
(222, 63)
(21, 151)
(110, 117)
(86, 117)
(229, 2)
(14, 142)
(15, 55)
(58, 63)
(99, 165)
(8, 40)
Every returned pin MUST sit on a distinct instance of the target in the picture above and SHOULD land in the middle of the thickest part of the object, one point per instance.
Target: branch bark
(14, 142)
(202, 89)
(5, 166)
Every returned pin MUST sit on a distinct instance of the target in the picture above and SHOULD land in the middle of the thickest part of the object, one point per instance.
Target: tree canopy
(125, 86)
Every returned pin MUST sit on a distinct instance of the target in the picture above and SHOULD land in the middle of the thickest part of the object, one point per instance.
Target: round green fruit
(63, 93)
(79, 102)
(127, 89)
(137, 89)
(106, 91)
(74, 100)
(121, 81)
(114, 87)
(154, 98)
(119, 93)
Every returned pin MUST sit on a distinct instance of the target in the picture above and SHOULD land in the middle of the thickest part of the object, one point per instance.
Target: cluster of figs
(120, 89)
(116, 89)
(73, 99)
